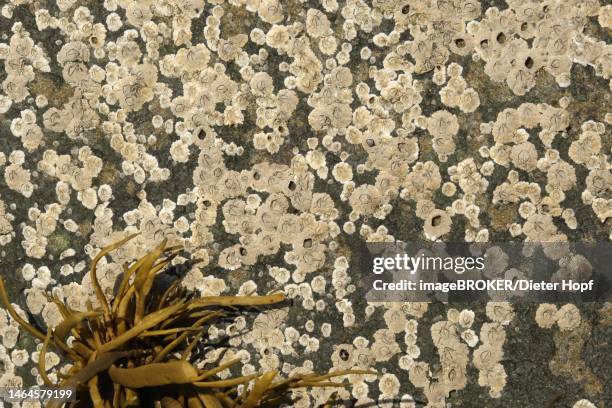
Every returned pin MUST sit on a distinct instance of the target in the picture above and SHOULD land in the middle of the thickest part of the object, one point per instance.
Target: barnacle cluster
(270, 139)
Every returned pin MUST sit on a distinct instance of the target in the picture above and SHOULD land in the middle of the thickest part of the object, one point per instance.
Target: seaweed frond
(136, 349)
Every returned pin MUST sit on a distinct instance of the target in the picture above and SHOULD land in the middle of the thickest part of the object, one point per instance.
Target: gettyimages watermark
(507, 271)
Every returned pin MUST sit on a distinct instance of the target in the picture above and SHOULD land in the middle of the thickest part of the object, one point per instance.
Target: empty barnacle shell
(437, 224)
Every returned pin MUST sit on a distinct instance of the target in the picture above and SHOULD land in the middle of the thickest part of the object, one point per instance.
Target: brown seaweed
(125, 352)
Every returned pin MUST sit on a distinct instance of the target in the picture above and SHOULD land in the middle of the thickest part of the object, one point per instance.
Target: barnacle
(546, 315)
(137, 349)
